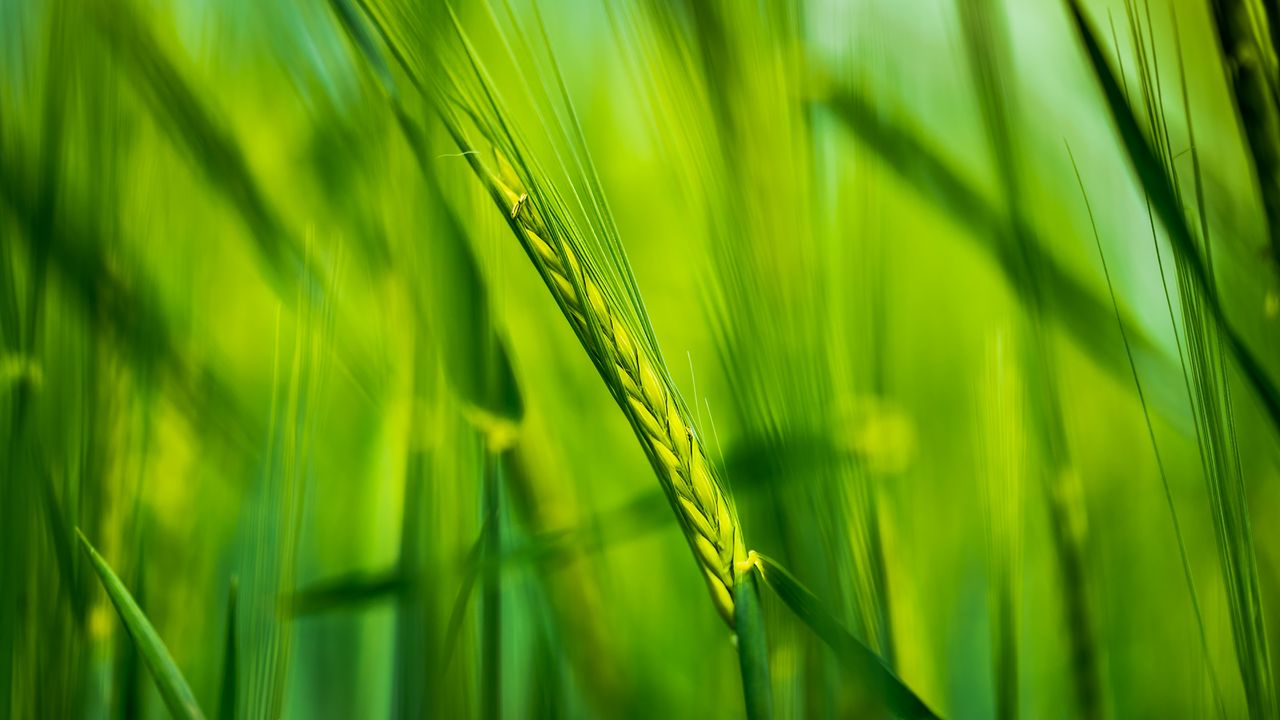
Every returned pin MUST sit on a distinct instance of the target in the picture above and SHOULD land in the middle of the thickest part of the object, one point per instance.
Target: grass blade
(173, 687)
(1208, 388)
(1155, 447)
(862, 665)
(1160, 192)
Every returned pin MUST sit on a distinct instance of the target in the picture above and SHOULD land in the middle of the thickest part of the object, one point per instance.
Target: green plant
(337, 327)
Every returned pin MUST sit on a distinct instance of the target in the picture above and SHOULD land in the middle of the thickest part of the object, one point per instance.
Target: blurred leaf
(650, 511)
(1080, 311)
(346, 592)
(191, 122)
(647, 512)
(756, 463)
(477, 362)
(229, 693)
(1254, 92)
(130, 309)
(1160, 192)
(454, 299)
(61, 534)
(471, 572)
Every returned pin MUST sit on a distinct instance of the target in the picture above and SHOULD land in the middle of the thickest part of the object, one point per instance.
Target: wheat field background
(639, 358)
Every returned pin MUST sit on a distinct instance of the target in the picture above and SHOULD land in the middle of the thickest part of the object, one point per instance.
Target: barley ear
(637, 381)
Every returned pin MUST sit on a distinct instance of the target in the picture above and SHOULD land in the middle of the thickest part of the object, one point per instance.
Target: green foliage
(396, 354)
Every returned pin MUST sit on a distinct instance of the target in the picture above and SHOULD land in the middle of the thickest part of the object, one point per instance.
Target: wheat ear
(662, 425)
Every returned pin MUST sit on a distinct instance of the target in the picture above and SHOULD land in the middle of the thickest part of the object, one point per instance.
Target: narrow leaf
(173, 687)
(861, 664)
(1160, 192)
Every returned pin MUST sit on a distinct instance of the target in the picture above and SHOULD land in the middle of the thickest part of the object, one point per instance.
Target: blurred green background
(251, 298)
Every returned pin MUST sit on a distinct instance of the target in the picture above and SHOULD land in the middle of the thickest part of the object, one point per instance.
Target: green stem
(491, 597)
(753, 651)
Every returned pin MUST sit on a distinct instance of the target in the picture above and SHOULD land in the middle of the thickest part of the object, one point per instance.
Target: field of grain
(639, 359)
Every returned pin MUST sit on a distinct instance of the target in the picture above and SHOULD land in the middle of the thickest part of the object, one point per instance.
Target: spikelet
(666, 432)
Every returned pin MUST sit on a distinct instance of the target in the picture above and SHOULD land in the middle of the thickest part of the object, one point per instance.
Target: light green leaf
(173, 687)
(860, 663)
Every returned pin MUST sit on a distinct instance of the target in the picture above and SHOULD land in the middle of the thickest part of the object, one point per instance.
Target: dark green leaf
(346, 592)
(1160, 192)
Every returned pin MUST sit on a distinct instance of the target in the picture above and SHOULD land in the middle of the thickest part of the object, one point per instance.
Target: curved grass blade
(172, 686)
(862, 665)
